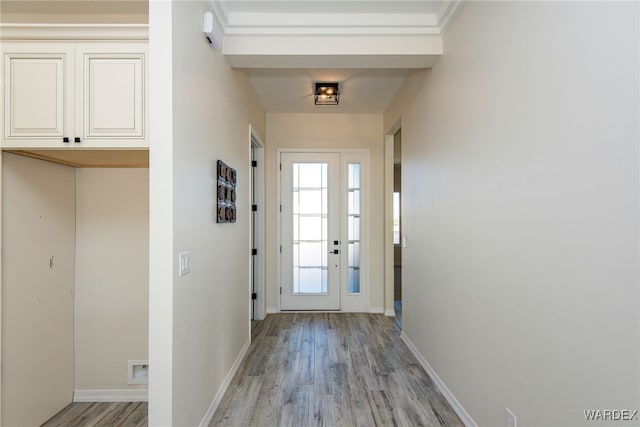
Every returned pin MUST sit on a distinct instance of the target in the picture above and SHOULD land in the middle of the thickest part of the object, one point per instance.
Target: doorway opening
(257, 229)
(397, 227)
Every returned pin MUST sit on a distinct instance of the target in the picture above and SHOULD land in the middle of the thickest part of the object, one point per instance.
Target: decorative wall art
(226, 193)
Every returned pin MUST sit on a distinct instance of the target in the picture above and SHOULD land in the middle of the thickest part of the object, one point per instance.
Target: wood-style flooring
(331, 369)
(95, 414)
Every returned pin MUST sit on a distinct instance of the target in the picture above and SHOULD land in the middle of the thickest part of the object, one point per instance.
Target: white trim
(272, 310)
(112, 395)
(447, 13)
(315, 23)
(318, 30)
(390, 313)
(464, 416)
(388, 218)
(2, 372)
(255, 142)
(376, 310)
(208, 416)
(74, 31)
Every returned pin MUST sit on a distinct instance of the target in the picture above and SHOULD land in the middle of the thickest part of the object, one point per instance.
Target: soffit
(367, 46)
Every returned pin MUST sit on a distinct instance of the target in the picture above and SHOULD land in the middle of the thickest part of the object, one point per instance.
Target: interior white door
(310, 231)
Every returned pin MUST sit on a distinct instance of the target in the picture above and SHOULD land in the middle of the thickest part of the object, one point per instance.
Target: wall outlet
(184, 263)
(510, 418)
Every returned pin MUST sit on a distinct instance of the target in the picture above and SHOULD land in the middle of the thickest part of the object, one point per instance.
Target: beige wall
(207, 119)
(38, 222)
(112, 275)
(520, 180)
(327, 131)
(75, 11)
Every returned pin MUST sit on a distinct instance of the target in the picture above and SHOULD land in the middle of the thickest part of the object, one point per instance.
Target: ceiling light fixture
(326, 94)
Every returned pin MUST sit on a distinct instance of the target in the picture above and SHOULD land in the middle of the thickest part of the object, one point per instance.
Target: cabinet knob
(65, 139)
(76, 140)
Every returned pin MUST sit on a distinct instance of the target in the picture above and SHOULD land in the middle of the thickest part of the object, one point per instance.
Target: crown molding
(313, 23)
(74, 32)
(350, 30)
(447, 13)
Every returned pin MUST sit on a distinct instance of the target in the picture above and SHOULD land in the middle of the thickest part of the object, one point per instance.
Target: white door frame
(388, 220)
(388, 226)
(256, 143)
(1, 287)
(349, 302)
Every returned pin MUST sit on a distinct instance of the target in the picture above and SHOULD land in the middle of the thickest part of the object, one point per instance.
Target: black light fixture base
(326, 93)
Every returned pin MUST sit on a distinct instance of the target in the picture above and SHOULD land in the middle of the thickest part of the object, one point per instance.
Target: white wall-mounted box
(138, 372)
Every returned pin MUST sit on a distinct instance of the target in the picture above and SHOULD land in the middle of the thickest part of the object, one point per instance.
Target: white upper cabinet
(90, 95)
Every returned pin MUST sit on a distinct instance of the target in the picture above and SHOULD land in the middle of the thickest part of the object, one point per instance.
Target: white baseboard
(372, 310)
(390, 313)
(225, 384)
(114, 395)
(464, 416)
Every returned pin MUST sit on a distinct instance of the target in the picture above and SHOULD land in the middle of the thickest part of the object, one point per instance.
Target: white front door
(310, 231)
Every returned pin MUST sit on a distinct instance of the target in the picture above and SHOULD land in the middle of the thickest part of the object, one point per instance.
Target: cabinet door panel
(34, 96)
(112, 97)
(38, 95)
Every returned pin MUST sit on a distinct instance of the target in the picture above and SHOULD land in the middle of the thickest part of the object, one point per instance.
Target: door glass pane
(353, 232)
(310, 228)
(310, 232)
(396, 218)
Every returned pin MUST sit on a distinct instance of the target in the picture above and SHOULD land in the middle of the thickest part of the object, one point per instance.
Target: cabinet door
(38, 94)
(110, 95)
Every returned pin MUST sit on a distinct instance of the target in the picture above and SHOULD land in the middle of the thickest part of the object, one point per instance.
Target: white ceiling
(283, 69)
(361, 90)
(367, 46)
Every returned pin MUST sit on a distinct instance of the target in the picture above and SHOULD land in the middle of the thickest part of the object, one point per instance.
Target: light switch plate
(184, 263)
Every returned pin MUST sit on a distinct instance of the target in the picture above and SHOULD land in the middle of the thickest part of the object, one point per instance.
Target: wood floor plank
(322, 368)
(237, 409)
(323, 412)
(103, 414)
(382, 407)
(361, 407)
(332, 369)
(342, 411)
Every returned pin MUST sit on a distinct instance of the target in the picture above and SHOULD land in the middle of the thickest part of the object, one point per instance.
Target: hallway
(331, 369)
